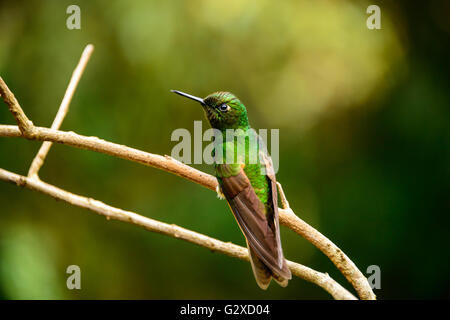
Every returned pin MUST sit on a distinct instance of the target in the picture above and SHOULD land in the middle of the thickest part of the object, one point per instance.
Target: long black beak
(189, 96)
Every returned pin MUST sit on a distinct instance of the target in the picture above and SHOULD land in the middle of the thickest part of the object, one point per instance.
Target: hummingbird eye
(224, 107)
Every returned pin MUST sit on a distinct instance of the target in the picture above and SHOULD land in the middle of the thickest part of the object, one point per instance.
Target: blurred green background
(364, 142)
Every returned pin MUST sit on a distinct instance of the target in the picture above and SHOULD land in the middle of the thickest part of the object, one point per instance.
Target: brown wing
(261, 231)
(273, 200)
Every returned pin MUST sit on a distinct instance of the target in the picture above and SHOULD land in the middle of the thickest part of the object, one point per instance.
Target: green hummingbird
(248, 186)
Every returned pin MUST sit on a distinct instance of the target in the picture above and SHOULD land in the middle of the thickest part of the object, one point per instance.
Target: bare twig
(284, 202)
(27, 130)
(25, 125)
(321, 279)
(165, 163)
(336, 255)
(62, 111)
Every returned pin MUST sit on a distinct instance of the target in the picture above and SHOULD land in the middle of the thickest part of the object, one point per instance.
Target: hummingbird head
(223, 110)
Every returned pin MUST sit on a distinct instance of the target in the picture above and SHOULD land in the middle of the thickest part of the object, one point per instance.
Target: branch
(25, 125)
(27, 130)
(321, 279)
(62, 111)
(165, 163)
(336, 255)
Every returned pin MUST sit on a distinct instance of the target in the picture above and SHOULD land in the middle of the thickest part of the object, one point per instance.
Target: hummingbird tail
(261, 272)
(280, 280)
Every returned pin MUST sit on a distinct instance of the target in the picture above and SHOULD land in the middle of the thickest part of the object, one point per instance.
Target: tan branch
(321, 279)
(62, 111)
(25, 125)
(165, 163)
(336, 255)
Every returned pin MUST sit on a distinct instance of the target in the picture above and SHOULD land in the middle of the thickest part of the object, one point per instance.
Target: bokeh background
(364, 142)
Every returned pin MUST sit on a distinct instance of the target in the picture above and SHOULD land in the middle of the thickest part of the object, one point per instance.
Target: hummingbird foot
(220, 194)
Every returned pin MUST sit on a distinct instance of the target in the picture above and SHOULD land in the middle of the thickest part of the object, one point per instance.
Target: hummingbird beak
(202, 102)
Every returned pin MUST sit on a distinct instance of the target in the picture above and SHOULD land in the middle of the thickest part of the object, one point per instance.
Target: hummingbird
(249, 187)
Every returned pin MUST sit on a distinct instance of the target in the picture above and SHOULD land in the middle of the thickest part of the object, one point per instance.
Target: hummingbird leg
(220, 194)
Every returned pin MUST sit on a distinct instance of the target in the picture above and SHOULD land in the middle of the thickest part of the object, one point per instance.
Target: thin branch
(336, 255)
(321, 279)
(62, 111)
(166, 163)
(284, 201)
(25, 125)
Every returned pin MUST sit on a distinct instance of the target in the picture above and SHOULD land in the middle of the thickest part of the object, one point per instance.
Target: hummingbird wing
(258, 223)
(272, 214)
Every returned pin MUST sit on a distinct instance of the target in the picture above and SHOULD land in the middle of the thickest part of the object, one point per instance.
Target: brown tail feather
(261, 272)
(283, 277)
(281, 280)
